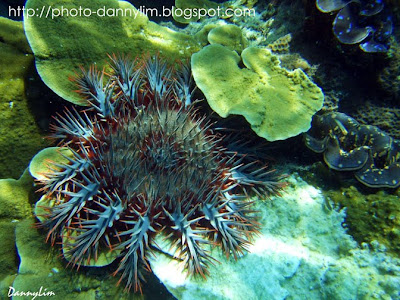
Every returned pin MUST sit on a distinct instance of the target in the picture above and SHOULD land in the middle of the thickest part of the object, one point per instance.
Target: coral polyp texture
(140, 161)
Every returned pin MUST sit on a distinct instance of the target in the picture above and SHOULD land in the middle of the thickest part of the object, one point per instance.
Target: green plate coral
(277, 103)
(62, 42)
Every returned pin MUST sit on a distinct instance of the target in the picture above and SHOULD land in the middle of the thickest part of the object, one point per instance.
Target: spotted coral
(143, 161)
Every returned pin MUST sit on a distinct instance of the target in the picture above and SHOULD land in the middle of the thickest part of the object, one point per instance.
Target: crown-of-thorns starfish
(145, 161)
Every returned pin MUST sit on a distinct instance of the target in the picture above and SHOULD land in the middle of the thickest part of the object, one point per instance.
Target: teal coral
(370, 153)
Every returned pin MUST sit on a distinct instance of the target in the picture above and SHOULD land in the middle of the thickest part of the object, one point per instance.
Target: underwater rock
(360, 22)
(302, 252)
(369, 152)
(277, 103)
(63, 43)
(20, 136)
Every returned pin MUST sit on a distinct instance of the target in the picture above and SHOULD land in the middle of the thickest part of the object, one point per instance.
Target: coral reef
(360, 22)
(383, 116)
(370, 153)
(302, 252)
(63, 43)
(14, 197)
(277, 103)
(20, 137)
(370, 217)
(389, 76)
(144, 161)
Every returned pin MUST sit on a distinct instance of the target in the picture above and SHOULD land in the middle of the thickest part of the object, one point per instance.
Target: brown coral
(389, 77)
(383, 117)
(281, 45)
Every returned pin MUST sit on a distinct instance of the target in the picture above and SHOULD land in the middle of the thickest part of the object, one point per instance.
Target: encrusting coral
(381, 115)
(277, 103)
(389, 76)
(370, 216)
(20, 136)
(15, 197)
(370, 153)
(143, 161)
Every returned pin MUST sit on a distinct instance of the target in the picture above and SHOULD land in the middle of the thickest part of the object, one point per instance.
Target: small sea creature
(144, 161)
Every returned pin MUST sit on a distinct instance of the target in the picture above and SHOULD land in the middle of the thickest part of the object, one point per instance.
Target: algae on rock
(20, 137)
(277, 103)
(371, 217)
(63, 43)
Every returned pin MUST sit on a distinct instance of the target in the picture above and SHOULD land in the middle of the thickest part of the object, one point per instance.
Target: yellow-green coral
(15, 196)
(230, 36)
(371, 216)
(39, 268)
(63, 43)
(277, 103)
(41, 165)
(20, 137)
(41, 162)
